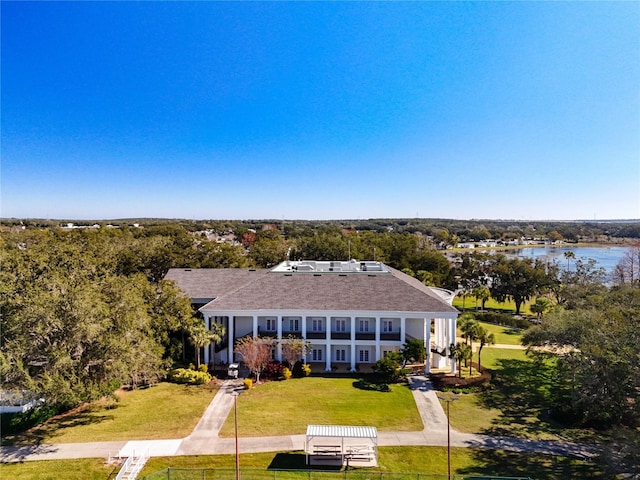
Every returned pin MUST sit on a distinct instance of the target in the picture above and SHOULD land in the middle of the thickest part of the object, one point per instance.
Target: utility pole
(235, 415)
(448, 400)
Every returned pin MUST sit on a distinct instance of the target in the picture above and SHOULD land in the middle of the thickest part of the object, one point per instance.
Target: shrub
(188, 376)
(203, 368)
(274, 371)
(286, 373)
(306, 370)
(248, 383)
(502, 319)
(388, 369)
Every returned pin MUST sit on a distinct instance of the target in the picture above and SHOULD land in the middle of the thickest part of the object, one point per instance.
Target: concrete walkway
(204, 439)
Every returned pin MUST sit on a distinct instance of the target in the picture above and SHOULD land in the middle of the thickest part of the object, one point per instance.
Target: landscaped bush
(248, 383)
(502, 319)
(301, 369)
(286, 373)
(203, 368)
(188, 376)
(274, 371)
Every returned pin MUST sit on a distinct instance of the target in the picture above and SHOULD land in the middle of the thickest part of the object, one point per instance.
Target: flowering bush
(188, 376)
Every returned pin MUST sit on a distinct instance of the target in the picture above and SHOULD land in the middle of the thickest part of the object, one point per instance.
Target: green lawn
(287, 407)
(78, 469)
(425, 460)
(166, 410)
(491, 304)
(504, 335)
(493, 357)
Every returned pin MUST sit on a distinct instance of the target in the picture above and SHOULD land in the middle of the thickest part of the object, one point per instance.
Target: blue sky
(314, 110)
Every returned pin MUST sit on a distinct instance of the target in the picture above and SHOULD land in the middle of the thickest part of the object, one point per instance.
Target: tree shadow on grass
(297, 461)
(522, 393)
(45, 432)
(536, 466)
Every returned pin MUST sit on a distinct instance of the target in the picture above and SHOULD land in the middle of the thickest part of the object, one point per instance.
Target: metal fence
(248, 474)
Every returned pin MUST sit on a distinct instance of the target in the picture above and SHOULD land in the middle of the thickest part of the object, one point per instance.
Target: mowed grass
(504, 335)
(287, 407)
(165, 410)
(492, 357)
(77, 469)
(424, 460)
(469, 305)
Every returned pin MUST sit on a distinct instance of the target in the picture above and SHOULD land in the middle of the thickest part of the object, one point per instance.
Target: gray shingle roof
(241, 289)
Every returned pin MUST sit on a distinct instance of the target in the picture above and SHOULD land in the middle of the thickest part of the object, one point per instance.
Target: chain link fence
(247, 474)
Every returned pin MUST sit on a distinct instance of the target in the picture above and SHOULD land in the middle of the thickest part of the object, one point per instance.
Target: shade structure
(342, 445)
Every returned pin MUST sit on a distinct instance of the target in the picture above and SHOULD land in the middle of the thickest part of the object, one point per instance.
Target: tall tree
(218, 331)
(484, 338)
(516, 279)
(200, 337)
(598, 371)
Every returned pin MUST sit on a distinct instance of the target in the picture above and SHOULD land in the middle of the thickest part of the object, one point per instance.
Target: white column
(403, 330)
(452, 325)
(427, 336)
(279, 334)
(304, 327)
(327, 322)
(255, 326)
(353, 344)
(378, 326)
(207, 349)
(230, 331)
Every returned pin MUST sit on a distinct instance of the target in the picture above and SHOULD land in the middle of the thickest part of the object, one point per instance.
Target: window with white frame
(271, 324)
(316, 354)
(364, 355)
(364, 325)
(387, 326)
(341, 355)
(294, 324)
(317, 325)
(341, 325)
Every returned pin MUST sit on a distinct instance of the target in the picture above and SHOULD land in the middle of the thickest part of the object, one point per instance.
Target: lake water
(606, 257)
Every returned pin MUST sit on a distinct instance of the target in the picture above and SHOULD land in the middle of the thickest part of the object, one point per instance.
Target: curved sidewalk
(204, 439)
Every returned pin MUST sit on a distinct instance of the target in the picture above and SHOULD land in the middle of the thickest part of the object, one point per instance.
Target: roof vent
(317, 275)
(187, 269)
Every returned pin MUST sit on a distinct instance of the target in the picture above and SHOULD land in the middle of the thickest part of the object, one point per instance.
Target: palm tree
(469, 328)
(200, 337)
(540, 306)
(482, 293)
(218, 332)
(459, 352)
(569, 255)
(485, 338)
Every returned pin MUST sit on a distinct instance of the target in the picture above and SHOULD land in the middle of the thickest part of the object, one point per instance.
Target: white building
(352, 313)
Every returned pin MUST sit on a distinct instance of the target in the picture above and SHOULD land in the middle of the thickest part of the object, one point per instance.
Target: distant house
(352, 313)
